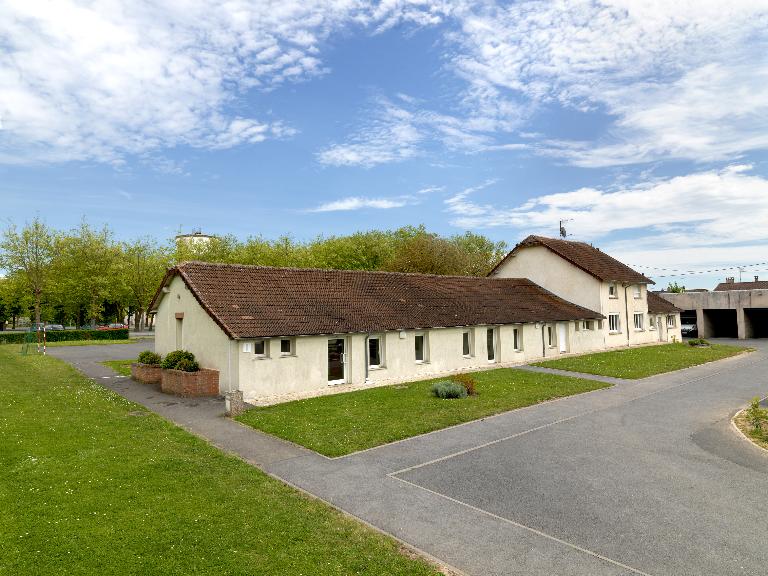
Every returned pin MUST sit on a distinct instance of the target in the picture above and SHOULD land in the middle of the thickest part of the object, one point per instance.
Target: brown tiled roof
(256, 301)
(659, 305)
(584, 256)
(759, 285)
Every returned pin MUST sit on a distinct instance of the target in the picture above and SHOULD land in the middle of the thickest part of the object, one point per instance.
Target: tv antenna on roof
(563, 233)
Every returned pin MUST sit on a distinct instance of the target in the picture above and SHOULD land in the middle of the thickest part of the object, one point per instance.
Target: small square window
(651, 322)
(670, 321)
(636, 291)
(589, 325)
(260, 348)
(612, 290)
(286, 346)
(247, 347)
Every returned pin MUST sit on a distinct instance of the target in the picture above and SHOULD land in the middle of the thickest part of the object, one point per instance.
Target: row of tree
(84, 276)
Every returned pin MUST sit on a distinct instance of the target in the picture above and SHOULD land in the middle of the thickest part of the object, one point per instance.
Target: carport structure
(726, 313)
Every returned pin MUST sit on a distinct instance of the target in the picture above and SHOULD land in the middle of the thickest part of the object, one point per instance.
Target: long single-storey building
(277, 331)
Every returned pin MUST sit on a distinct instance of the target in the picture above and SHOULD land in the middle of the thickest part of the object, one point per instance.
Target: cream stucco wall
(307, 370)
(554, 273)
(559, 276)
(200, 334)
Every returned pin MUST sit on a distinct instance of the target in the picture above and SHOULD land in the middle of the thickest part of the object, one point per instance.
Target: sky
(643, 125)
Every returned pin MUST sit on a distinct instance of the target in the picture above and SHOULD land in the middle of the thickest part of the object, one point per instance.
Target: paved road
(646, 477)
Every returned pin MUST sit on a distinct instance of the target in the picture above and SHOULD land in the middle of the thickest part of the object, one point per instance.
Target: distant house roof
(584, 256)
(256, 301)
(660, 305)
(758, 285)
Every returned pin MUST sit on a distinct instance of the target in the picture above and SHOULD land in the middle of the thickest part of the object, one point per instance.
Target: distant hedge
(66, 335)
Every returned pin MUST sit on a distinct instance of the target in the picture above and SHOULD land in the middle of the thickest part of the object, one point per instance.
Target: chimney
(756, 279)
(729, 280)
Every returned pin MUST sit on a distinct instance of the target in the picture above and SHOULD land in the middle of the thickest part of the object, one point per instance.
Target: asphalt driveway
(646, 477)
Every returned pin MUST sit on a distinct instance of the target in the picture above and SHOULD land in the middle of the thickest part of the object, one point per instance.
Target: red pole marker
(44, 340)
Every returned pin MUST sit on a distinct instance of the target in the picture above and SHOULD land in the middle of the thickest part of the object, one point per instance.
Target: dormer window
(612, 293)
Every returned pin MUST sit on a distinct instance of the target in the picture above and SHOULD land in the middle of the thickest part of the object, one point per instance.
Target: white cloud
(397, 132)
(682, 79)
(110, 78)
(711, 208)
(359, 202)
(430, 189)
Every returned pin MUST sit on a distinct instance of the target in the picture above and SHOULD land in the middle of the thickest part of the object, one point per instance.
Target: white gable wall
(553, 273)
(200, 334)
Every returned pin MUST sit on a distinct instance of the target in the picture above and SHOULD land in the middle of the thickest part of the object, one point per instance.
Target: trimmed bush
(187, 365)
(697, 342)
(66, 335)
(448, 390)
(150, 358)
(467, 381)
(173, 358)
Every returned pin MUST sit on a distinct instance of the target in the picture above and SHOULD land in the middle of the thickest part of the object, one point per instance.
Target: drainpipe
(626, 311)
(365, 355)
(543, 342)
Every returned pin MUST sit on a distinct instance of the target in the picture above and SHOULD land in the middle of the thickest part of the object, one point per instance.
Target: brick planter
(204, 382)
(146, 373)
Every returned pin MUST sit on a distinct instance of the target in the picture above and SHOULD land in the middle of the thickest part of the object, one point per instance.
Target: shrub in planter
(447, 390)
(187, 365)
(467, 381)
(150, 358)
(173, 358)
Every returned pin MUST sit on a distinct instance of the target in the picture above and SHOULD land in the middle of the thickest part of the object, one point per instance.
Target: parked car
(116, 326)
(54, 327)
(689, 330)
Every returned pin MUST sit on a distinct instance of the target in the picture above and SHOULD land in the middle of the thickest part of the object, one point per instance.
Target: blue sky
(643, 124)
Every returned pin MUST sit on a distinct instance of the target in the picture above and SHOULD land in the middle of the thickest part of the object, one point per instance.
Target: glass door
(336, 357)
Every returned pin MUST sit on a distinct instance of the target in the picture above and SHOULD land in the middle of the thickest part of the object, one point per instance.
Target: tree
(29, 253)
(673, 287)
(87, 271)
(143, 265)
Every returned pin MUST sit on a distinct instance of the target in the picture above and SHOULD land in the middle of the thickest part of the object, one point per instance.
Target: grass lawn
(643, 361)
(122, 367)
(94, 484)
(343, 423)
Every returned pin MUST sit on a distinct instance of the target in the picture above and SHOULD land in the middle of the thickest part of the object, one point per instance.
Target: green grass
(122, 367)
(343, 423)
(93, 484)
(643, 361)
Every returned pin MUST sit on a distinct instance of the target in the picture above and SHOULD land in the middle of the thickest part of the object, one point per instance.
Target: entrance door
(336, 357)
(562, 337)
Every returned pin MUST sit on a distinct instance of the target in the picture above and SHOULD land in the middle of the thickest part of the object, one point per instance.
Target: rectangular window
(550, 336)
(490, 336)
(670, 321)
(636, 290)
(639, 320)
(260, 348)
(651, 322)
(179, 333)
(612, 290)
(374, 352)
(516, 339)
(286, 346)
(613, 323)
(589, 325)
(466, 344)
(578, 324)
(247, 347)
(420, 347)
